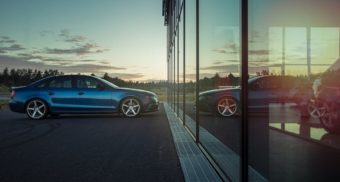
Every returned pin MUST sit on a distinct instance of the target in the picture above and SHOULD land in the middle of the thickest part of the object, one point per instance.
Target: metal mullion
(197, 71)
(184, 86)
(244, 91)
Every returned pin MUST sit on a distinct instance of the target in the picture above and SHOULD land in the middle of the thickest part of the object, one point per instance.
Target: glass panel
(181, 67)
(219, 91)
(190, 64)
(293, 91)
(175, 74)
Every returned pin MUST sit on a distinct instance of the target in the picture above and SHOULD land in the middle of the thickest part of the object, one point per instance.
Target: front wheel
(130, 107)
(36, 109)
(227, 106)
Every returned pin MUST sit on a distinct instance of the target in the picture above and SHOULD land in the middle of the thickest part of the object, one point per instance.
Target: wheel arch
(33, 98)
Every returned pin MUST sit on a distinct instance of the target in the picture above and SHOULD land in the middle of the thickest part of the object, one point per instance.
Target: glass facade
(290, 130)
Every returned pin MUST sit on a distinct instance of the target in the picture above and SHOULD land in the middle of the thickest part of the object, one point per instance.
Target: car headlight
(154, 97)
(149, 98)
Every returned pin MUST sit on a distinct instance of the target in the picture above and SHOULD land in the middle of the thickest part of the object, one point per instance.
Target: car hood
(231, 89)
(137, 91)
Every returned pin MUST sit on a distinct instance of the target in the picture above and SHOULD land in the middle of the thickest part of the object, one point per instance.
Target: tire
(227, 106)
(36, 109)
(130, 107)
(330, 120)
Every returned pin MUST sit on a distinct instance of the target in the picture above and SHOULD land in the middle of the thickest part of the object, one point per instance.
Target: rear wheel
(330, 120)
(227, 107)
(130, 107)
(316, 109)
(36, 109)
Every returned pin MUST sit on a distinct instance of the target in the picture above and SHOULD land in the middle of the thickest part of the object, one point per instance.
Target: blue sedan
(74, 94)
(263, 90)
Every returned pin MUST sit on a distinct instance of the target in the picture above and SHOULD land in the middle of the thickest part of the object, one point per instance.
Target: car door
(94, 95)
(264, 91)
(289, 89)
(61, 93)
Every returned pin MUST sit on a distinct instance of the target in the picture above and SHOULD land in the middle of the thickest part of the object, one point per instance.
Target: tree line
(17, 77)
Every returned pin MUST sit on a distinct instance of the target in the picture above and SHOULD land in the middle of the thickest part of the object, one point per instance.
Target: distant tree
(265, 72)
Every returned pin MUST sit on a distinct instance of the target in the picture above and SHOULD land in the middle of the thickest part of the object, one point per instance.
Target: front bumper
(151, 104)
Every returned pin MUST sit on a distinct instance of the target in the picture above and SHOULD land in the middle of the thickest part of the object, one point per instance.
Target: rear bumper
(16, 106)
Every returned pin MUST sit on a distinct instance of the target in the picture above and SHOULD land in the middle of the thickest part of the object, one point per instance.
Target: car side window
(87, 83)
(269, 83)
(60, 83)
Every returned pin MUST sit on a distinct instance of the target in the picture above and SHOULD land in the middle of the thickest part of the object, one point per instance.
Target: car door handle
(50, 93)
(80, 93)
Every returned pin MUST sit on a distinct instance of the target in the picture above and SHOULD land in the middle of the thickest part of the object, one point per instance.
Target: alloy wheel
(227, 107)
(317, 109)
(130, 107)
(330, 121)
(36, 109)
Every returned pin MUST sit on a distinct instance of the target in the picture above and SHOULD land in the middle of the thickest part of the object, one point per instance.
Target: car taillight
(13, 93)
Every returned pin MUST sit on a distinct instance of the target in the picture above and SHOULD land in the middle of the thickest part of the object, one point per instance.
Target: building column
(308, 51)
(283, 65)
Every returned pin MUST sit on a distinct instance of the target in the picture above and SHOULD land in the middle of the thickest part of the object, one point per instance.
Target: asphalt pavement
(87, 148)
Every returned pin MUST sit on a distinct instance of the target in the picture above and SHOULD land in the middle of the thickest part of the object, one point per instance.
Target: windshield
(250, 80)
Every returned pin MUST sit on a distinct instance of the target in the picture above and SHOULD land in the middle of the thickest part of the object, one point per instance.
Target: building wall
(293, 40)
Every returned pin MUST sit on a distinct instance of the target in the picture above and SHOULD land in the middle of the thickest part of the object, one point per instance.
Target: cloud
(6, 40)
(231, 46)
(87, 48)
(79, 45)
(228, 48)
(223, 68)
(46, 33)
(217, 62)
(67, 37)
(89, 68)
(13, 47)
(8, 44)
(128, 76)
(259, 52)
(220, 51)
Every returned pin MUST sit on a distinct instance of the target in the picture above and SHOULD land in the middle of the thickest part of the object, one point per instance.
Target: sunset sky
(125, 38)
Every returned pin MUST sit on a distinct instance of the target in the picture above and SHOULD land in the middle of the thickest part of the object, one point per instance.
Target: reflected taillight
(13, 93)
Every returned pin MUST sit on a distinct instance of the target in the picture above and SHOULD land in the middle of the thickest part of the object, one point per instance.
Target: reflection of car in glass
(79, 94)
(263, 90)
(328, 100)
